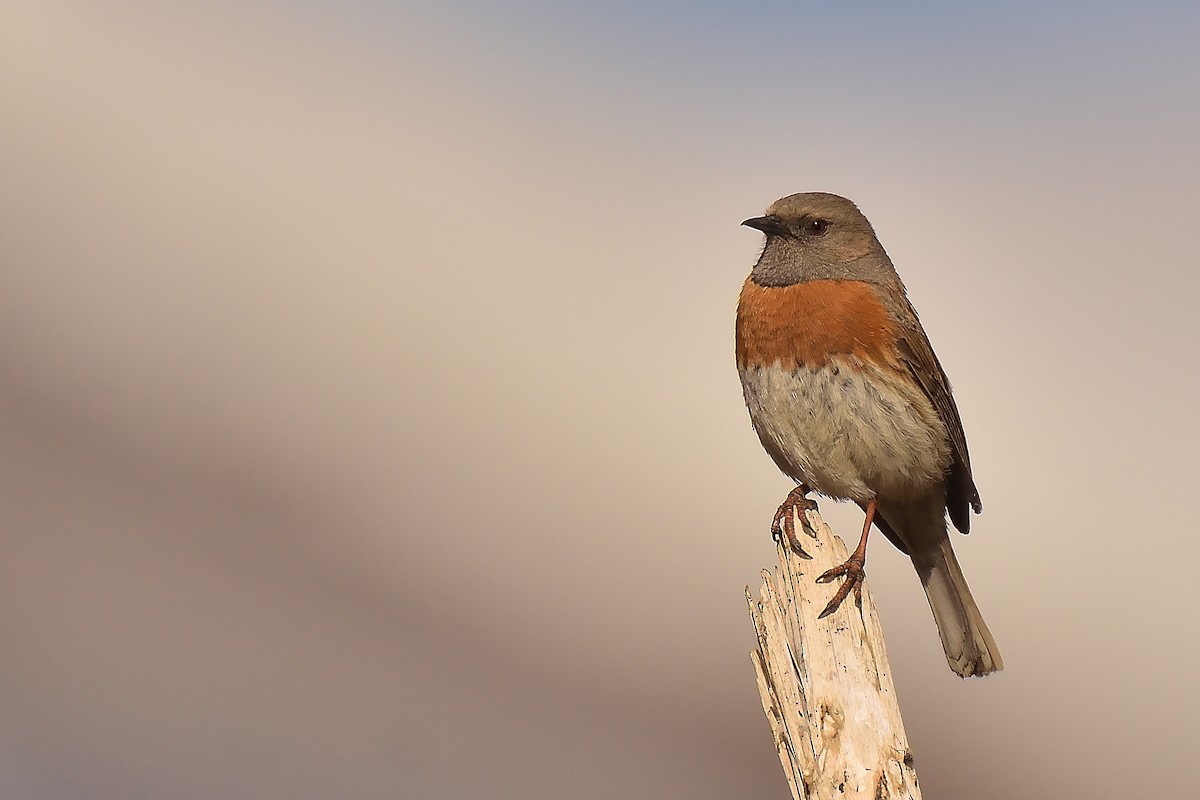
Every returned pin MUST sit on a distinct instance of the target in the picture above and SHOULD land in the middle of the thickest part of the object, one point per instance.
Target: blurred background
(369, 419)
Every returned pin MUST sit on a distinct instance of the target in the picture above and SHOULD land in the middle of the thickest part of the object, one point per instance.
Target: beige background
(369, 420)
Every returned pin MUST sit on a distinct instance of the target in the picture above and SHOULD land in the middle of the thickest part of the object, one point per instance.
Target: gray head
(818, 236)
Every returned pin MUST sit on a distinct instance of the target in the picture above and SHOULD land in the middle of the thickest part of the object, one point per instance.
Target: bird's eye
(816, 227)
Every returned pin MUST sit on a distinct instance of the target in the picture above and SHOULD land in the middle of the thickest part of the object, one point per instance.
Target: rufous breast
(808, 323)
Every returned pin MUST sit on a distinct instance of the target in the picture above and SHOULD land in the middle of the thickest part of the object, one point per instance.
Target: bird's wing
(923, 364)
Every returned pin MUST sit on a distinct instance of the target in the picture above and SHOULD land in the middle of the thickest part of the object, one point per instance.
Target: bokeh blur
(368, 414)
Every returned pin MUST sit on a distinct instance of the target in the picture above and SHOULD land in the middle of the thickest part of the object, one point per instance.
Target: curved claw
(854, 572)
(784, 523)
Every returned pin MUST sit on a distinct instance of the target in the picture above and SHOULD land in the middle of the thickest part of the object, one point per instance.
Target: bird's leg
(854, 569)
(784, 524)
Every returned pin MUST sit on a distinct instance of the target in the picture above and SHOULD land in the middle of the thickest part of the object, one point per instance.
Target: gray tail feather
(968, 643)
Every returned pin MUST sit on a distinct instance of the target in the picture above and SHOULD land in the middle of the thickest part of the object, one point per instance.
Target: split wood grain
(825, 684)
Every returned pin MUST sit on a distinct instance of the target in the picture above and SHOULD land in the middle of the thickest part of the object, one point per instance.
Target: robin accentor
(850, 401)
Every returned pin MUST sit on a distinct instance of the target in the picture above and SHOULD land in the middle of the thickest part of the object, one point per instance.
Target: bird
(849, 400)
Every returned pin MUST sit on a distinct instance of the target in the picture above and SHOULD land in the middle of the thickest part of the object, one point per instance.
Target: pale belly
(845, 436)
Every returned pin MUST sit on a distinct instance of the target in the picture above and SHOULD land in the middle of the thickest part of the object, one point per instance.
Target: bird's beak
(771, 225)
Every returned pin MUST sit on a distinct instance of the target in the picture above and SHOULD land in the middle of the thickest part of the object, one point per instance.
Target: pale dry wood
(825, 684)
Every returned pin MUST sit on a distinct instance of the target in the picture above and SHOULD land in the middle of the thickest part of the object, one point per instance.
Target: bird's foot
(854, 571)
(784, 524)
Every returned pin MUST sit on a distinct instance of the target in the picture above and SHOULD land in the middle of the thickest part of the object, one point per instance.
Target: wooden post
(826, 686)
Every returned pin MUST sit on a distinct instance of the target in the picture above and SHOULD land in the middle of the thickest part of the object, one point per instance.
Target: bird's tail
(968, 643)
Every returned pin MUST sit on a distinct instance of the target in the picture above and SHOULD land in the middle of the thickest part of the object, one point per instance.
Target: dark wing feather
(918, 356)
(882, 524)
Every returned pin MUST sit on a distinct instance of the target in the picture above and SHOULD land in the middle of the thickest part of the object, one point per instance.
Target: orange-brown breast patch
(807, 323)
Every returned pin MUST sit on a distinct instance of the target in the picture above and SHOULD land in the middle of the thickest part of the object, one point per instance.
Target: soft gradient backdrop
(369, 421)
